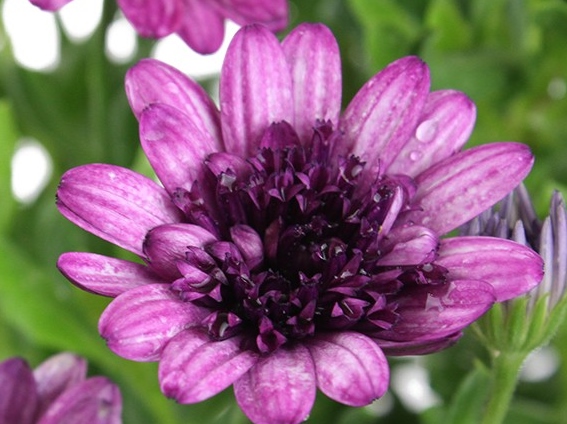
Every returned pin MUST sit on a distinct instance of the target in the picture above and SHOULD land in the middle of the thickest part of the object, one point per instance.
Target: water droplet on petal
(433, 302)
(426, 131)
(415, 155)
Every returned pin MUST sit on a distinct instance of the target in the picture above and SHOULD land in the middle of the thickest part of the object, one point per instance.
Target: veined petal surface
(104, 275)
(151, 81)
(512, 269)
(254, 65)
(350, 367)
(193, 367)
(175, 147)
(313, 55)
(460, 187)
(114, 203)
(202, 27)
(140, 322)
(444, 127)
(383, 114)
(280, 388)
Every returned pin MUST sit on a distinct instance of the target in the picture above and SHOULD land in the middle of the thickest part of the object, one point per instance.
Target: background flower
(56, 392)
(200, 23)
(289, 245)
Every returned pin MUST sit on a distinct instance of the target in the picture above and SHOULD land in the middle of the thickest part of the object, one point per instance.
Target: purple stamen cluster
(301, 245)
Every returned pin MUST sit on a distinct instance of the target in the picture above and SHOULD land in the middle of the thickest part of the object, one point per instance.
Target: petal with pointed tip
(140, 322)
(350, 367)
(114, 203)
(383, 114)
(445, 125)
(175, 147)
(18, 395)
(193, 367)
(156, 18)
(460, 187)
(280, 388)
(202, 27)
(512, 269)
(95, 401)
(313, 55)
(433, 312)
(255, 89)
(104, 275)
(166, 244)
(151, 81)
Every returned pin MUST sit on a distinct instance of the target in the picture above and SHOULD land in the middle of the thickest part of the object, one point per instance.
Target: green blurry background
(509, 56)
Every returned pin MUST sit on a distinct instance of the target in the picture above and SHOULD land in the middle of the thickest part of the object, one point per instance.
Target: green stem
(505, 369)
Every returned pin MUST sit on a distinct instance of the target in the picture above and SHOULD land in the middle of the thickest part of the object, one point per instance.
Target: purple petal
(50, 5)
(255, 89)
(350, 368)
(175, 147)
(156, 18)
(18, 394)
(167, 244)
(432, 312)
(151, 81)
(202, 27)
(280, 388)
(418, 347)
(273, 13)
(446, 122)
(193, 367)
(249, 243)
(313, 55)
(411, 245)
(383, 114)
(93, 401)
(114, 203)
(56, 375)
(512, 269)
(140, 322)
(104, 275)
(462, 186)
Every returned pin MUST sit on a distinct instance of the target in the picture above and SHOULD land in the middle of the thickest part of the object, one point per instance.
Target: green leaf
(8, 138)
(450, 31)
(468, 401)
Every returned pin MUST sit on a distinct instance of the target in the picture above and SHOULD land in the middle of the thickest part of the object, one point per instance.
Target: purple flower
(56, 392)
(291, 246)
(199, 23)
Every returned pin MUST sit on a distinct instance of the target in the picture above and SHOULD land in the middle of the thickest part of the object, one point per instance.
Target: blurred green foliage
(509, 56)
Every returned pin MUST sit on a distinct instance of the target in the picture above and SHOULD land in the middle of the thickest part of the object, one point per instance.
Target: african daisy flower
(199, 23)
(56, 392)
(292, 247)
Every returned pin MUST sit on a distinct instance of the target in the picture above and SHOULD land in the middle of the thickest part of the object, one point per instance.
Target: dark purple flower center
(303, 233)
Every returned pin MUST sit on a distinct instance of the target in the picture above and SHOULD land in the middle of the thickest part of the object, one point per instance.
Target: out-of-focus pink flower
(291, 246)
(200, 23)
(56, 392)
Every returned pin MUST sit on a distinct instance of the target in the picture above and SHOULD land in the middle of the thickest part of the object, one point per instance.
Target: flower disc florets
(301, 246)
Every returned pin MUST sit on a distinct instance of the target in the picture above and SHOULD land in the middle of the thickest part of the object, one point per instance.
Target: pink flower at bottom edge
(199, 23)
(291, 246)
(56, 392)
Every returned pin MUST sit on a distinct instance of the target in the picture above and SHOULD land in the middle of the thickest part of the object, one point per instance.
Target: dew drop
(433, 302)
(426, 131)
(415, 155)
